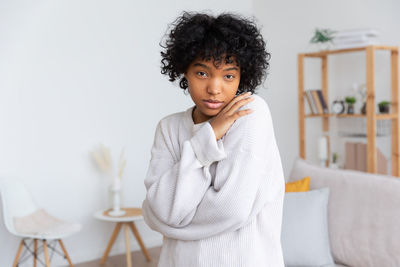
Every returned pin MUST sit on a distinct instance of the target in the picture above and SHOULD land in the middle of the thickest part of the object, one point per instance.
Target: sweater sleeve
(248, 178)
(176, 187)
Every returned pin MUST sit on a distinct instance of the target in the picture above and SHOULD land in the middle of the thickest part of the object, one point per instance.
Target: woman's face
(211, 87)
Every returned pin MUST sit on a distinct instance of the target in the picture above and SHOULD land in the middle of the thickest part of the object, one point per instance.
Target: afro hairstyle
(227, 36)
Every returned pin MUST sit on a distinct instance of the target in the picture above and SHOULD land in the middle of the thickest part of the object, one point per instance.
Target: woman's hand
(229, 114)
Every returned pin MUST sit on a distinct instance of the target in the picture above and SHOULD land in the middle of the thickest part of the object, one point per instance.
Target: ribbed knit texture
(217, 203)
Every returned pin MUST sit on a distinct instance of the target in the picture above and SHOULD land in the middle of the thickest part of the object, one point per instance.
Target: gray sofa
(363, 214)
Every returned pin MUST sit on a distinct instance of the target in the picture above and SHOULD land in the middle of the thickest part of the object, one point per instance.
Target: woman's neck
(199, 117)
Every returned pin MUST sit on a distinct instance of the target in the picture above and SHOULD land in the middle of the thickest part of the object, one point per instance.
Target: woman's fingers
(227, 116)
(238, 105)
(234, 100)
(241, 113)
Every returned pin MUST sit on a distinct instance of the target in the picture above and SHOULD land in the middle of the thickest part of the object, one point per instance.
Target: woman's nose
(214, 87)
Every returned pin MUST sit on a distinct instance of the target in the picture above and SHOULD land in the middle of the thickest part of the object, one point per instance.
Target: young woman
(215, 184)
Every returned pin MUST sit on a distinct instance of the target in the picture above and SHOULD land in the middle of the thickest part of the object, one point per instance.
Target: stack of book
(355, 38)
(316, 101)
(356, 158)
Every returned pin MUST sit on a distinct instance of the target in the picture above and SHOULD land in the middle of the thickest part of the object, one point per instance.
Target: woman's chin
(210, 112)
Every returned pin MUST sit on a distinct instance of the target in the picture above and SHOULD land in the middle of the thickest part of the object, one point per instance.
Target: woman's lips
(213, 105)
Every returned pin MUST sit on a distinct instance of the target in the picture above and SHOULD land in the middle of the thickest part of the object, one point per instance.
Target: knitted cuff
(206, 147)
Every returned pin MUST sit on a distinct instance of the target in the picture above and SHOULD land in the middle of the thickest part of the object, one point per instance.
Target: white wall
(73, 74)
(76, 73)
(288, 26)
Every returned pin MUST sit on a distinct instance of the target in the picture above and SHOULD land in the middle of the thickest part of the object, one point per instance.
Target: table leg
(128, 249)
(139, 239)
(111, 242)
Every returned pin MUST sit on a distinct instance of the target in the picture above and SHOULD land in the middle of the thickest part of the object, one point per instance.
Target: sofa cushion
(301, 185)
(363, 214)
(305, 238)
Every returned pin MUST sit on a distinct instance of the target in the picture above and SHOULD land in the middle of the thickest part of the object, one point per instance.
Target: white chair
(24, 219)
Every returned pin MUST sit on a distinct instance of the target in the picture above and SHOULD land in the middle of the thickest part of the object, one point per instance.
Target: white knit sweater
(217, 203)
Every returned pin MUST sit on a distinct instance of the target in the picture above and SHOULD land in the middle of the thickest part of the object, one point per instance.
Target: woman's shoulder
(257, 121)
(172, 118)
(171, 121)
(259, 107)
(258, 104)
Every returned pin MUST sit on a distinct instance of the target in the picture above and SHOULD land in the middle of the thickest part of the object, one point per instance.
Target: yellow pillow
(298, 186)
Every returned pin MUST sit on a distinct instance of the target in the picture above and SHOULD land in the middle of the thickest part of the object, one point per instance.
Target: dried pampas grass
(102, 157)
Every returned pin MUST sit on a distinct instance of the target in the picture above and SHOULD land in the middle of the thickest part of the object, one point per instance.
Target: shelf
(374, 122)
(319, 115)
(359, 135)
(349, 50)
(378, 116)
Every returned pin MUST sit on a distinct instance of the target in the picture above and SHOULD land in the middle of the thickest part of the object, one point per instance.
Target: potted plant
(322, 38)
(384, 106)
(350, 100)
(334, 164)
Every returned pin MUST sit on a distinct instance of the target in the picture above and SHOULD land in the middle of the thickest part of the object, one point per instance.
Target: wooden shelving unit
(371, 115)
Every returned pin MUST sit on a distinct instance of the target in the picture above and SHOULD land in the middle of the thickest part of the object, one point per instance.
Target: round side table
(128, 222)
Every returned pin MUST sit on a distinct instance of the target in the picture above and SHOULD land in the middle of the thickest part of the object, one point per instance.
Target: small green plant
(334, 157)
(350, 100)
(322, 36)
(383, 104)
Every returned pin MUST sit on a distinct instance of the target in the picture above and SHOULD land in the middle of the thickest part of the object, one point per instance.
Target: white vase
(115, 191)
(323, 46)
(334, 166)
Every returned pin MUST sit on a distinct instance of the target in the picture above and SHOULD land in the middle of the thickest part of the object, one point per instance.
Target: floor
(138, 260)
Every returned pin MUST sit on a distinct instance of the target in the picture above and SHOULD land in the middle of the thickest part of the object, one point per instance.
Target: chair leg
(65, 253)
(21, 245)
(139, 239)
(34, 252)
(111, 242)
(128, 249)
(46, 253)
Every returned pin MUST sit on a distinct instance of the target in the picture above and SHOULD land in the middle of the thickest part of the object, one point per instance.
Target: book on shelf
(316, 101)
(349, 33)
(323, 102)
(355, 38)
(310, 102)
(356, 45)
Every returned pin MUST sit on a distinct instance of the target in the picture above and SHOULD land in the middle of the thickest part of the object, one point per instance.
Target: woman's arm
(176, 184)
(247, 179)
(176, 187)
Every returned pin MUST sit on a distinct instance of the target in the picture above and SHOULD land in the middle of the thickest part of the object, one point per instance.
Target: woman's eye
(202, 73)
(229, 76)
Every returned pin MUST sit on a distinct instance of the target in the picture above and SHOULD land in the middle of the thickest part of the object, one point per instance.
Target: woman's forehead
(231, 60)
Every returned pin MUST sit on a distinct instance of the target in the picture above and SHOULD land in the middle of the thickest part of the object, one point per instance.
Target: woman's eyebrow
(232, 68)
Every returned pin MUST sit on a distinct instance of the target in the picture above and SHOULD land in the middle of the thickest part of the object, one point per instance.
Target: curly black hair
(227, 36)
